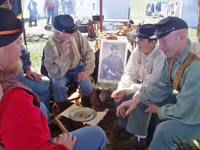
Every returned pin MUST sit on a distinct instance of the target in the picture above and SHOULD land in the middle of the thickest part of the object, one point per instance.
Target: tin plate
(82, 114)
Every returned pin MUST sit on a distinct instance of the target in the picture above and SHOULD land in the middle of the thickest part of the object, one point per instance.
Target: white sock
(141, 137)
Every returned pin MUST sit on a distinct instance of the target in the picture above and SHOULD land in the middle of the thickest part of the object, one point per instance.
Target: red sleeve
(22, 124)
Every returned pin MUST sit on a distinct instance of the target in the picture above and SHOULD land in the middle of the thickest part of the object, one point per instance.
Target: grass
(138, 15)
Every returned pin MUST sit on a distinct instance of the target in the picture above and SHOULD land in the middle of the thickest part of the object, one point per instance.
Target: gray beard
(17, 69)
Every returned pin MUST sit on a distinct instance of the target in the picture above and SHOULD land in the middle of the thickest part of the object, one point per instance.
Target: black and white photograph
(113, 58)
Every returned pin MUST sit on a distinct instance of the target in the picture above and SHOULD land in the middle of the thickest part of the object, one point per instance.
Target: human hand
(66, 140)
(118, 95)
(152, 108)
(65, 47)
(32, 75)
(131, 104)
(82, 75)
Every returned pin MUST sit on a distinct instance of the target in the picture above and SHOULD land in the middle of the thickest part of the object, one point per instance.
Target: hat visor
(140, 36)
(72, 30)
(155, 36)
(9, 38)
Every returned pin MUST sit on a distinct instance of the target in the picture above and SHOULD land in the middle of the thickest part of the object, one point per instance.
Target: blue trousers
(50, 11)
(42, 88)
(123, 121)
(45, 111)
(89, 138)
(59, 85)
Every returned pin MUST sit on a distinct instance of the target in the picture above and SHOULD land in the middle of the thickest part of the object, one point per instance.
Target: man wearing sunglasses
(180, 111)
(145, 63)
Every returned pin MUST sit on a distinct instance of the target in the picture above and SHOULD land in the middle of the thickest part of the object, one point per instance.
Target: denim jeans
(89, 138)
(123, 121)
(42, 88)
(59, 85)
(50, 11)
(32, 16)
(45, 111)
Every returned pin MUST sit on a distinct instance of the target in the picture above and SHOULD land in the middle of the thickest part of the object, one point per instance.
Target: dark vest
(8, 82)
(191, 57)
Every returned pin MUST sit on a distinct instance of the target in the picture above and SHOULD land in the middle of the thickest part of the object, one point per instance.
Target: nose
(22, 47)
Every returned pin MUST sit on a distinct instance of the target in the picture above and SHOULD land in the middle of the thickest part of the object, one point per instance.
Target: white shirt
(150, 67)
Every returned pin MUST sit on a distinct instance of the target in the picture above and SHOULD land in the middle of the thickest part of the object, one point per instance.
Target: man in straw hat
(180, 111)
(145, 63)
(23, 125)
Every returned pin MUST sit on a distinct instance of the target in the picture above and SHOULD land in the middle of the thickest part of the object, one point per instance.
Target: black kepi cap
(10, 27)
(65, 23)
(169, 24)
(145, 31)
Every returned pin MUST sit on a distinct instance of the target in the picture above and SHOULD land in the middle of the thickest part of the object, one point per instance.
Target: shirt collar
(152, 53)
(57, 39)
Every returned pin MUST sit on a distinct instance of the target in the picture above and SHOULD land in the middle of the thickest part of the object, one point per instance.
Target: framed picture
(112, 63)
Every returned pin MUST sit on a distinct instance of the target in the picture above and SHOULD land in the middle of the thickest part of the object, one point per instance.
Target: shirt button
(144, 66)
(147, 60)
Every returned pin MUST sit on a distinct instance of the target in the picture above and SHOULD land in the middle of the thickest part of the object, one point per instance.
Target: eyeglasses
(165, 41)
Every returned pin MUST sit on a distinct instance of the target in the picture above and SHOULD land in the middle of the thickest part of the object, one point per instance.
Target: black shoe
(118, 129)
(126, 135)
(66, 123)
(53, 127)
(132, 142)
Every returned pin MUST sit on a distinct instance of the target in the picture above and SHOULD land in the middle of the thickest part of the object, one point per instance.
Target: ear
(182, 35)
(153, 43)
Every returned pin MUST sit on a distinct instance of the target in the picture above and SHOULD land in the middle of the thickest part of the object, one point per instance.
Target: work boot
(118, 129)
(126, 135)
(132, 142)
(65, 121)
(85, 101)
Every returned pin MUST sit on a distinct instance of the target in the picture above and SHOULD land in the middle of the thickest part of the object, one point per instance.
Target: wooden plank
(193, 145)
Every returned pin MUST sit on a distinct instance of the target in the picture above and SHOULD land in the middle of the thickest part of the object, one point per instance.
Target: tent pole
(24, 33)
(101, 19)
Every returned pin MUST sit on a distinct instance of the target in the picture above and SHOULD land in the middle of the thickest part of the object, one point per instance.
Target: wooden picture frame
(113, 58)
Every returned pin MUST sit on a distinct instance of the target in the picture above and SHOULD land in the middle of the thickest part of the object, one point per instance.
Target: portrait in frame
(112, 60)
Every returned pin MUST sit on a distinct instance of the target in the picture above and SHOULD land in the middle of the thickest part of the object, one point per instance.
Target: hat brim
(72, 30)
(139, 36)
(9, 38)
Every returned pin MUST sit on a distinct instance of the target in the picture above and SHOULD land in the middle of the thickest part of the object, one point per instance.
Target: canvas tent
(187, 10)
